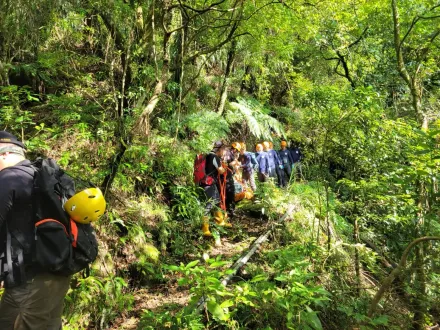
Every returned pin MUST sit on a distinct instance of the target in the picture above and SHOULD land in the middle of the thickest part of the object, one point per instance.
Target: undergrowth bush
(94, 302)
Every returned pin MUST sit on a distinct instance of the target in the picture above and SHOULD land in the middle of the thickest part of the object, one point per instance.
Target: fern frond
(256, 116)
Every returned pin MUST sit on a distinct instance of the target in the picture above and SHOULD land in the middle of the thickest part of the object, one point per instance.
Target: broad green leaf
(216, 310)
(192, 264)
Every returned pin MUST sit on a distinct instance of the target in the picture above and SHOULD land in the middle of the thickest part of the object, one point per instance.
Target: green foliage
(187, 206)
(257, 118)
(12, 114)
(75, 77)
(94, 302)
(292, 297)
(205, 128)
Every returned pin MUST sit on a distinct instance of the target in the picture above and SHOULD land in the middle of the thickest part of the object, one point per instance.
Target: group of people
(230, 170)
(277, 164)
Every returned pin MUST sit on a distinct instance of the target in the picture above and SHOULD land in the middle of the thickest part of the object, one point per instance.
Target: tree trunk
(142, 125)
(415, 86)
(357, 266)
(412, 82)
(114, 166)
(224, 89)
(419, 305)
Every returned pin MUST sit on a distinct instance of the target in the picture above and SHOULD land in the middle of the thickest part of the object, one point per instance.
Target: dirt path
(238, 239)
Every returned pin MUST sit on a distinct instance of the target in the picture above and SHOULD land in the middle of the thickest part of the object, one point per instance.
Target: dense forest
(125, 93)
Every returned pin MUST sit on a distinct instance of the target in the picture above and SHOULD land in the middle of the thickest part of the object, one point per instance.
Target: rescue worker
(33, 298)
(297, 156)
(213, 167)
(247, 167)
(252, 155)
(286, 159)
(274, 163)
(263, 163)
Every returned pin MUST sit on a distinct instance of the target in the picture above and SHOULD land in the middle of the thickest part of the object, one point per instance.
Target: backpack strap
(10, 274)
(12, 281)
(74, 231)
(16, 233)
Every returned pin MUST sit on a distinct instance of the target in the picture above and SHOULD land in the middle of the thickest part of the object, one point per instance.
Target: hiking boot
(205, 227)
(220, 219)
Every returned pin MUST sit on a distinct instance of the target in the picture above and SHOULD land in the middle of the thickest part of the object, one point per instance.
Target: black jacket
(211, 165)
(16, 184)
(296, 154)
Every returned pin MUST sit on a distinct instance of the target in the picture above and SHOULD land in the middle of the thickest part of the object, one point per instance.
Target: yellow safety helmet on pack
(86, 206)
(236, 146)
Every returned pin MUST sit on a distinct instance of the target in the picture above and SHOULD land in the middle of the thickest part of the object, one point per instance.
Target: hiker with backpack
(32, 222)
(32, 299)
(207, 169)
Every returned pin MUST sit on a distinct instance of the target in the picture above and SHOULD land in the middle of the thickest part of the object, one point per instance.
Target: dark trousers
(262, 177)
(272, 172)
(212, 196)
(287, 172)
(230, 197)
(35, 305)
(281, 177)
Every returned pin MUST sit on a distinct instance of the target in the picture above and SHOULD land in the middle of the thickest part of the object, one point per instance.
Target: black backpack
(61, 245)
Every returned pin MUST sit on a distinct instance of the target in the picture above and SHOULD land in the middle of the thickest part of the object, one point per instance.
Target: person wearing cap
(213, 167)
(286, 159)
(263, 163)
(247, 167)
(32, 299)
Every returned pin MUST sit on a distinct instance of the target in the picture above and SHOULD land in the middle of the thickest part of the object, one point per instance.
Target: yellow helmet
(266, 145)
(283, 143)
(86, 206)
(236, 146)
(259, 146)
(243, 145)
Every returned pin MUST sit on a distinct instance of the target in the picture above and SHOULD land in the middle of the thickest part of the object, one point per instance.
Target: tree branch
(216, 47)
(359, 39)
(397, 43)
(396, 271)
(204, 10)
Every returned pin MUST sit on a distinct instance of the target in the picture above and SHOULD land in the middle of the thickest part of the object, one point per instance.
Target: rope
(222, 184)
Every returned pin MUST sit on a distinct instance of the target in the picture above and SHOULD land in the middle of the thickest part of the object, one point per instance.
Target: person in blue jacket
(275, 165)
(286, 159)
(263, 163)
(246, 160)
